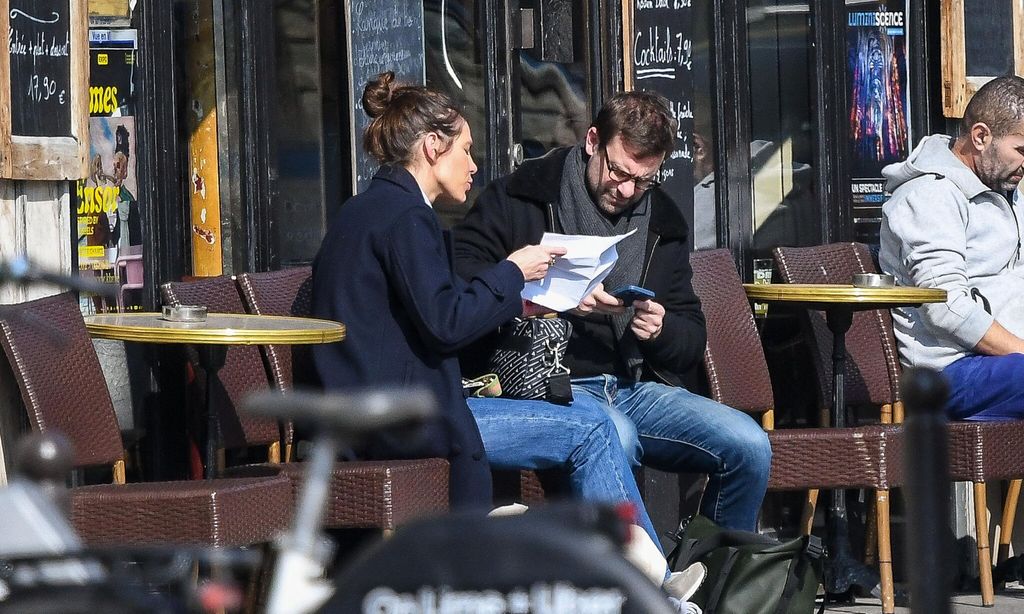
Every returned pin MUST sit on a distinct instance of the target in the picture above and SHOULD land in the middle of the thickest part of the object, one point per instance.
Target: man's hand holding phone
(599, 301)
(648, 315)
(629, 294)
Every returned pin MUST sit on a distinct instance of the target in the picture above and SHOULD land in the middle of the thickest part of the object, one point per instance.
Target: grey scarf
(578, 214)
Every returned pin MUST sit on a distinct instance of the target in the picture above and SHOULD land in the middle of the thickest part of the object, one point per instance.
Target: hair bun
(378, 93)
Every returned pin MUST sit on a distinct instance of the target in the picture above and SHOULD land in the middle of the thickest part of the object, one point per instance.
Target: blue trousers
(581, 439)
(986, 388)
(672, 429)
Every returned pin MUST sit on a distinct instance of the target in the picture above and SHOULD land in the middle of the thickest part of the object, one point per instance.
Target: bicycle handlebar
(20, 271)
(355, 413)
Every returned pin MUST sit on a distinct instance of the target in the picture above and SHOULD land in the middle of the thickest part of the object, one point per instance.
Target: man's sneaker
(683, 584)
(684, 607)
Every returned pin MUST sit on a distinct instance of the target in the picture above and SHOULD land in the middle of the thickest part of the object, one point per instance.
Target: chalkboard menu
(662, 61)
(988, 35)
(44, 86)
(382, 36)
(980, 40)
(40, 48)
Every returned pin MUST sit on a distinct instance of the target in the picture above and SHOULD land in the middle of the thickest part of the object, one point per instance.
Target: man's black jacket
(516, 210)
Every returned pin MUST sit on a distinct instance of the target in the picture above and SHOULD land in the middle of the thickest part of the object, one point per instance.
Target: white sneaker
(683, 584)
(685, 607)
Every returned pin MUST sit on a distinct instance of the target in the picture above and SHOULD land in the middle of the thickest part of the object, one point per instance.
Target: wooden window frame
(48, 158)
(957, 86)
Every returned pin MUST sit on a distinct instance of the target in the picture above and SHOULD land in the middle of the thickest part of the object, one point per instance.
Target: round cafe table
(212, 338)
(840, 301)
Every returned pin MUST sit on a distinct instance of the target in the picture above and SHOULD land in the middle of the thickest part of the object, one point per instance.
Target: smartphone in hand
(628, 294)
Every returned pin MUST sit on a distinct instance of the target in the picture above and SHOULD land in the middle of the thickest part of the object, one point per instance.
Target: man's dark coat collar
(539, 180)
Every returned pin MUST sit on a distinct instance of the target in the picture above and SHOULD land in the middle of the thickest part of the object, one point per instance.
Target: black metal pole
(929, 540)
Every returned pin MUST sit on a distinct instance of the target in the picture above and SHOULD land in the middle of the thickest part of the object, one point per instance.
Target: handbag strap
(810, 554)
(711, 607)
(687, 551)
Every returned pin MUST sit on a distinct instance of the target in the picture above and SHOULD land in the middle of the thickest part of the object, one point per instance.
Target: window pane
(297, 218)
(455, 64)
(781, 51)
(705, 233)
(553, 97)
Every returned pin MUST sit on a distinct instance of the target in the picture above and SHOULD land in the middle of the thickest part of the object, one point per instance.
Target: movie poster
(109, 224)
(108, 214)
(879, 113)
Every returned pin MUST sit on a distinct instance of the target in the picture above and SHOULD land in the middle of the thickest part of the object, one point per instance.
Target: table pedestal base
(211, 359)
(843, 572)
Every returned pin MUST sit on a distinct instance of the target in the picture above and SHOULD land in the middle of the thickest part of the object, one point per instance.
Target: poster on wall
(879, 113)
(109, 215)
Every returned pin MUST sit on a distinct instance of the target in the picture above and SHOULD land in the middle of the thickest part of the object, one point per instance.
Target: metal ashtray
(873, 280)
(184, 313)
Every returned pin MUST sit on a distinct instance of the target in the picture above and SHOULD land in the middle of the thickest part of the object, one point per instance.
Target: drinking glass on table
(762, 275)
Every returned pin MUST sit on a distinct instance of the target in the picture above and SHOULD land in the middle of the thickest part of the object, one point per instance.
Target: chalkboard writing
(40, 50)
(988, 34)
(382, 36)
(662, 49)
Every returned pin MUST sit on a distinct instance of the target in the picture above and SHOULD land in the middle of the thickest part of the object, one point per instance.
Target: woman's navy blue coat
(384, 270)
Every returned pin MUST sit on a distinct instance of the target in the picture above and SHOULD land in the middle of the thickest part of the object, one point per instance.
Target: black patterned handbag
(529, 359)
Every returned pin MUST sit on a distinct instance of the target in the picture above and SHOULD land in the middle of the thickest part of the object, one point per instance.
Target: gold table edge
(842, 293)
(147, 334)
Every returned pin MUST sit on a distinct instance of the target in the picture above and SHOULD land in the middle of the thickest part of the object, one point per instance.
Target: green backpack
(748, 573)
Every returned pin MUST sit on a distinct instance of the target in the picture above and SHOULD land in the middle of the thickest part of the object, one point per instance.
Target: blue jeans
(986, 388)
(580, 438)
(672, 429)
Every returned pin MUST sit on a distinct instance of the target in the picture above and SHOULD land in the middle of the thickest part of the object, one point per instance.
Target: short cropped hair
(999, 104)
(643, 119)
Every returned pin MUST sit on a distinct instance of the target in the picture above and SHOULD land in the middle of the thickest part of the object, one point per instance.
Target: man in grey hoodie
(950, 225)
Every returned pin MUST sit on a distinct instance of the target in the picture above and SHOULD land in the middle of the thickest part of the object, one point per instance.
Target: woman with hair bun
(384, 270)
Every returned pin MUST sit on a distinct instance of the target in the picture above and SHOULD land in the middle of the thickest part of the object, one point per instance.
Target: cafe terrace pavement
(1007, 602)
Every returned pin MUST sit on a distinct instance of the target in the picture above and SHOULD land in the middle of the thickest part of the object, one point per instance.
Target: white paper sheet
(587, 261)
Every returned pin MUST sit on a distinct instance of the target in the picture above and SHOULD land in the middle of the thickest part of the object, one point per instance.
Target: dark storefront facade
(250, 108)
(246, 118)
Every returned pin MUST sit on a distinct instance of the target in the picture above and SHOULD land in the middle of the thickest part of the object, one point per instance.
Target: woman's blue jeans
(672, 429)
(580, 438)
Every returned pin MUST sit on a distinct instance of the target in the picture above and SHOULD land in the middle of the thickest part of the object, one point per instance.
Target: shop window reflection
(297, 217)
(705, 218)
(454, 58)
(785, 206)
(553, 101)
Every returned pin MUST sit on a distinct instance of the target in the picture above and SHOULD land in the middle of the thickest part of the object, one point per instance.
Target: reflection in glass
(554, 104)
(297, 218)
(455, 65)
(785, 208)
(705, 231)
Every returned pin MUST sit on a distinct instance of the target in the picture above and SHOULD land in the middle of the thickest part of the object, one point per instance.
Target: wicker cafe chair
(63, 389)
(978, 451)
(242, 373)
(868, 376)
(364, 494)
(802, 459)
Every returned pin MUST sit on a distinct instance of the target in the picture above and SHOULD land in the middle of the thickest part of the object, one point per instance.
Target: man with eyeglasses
(631, 360)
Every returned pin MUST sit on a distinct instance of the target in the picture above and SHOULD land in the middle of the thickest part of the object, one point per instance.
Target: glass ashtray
(873, 280)
(184, 313)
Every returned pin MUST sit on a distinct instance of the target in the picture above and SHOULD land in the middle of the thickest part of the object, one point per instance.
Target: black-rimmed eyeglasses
(618, 175)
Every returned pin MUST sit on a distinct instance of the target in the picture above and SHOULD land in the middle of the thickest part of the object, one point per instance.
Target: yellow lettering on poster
(91, 251)
(103, 100)
(100, 199)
